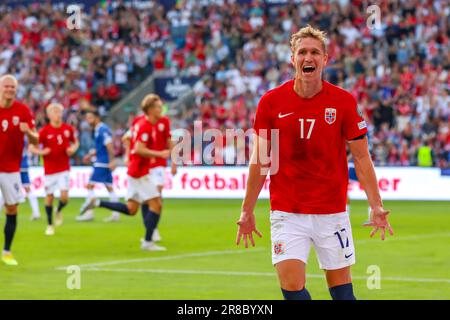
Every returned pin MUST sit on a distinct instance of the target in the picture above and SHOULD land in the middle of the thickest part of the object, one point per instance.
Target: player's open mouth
(308, 69)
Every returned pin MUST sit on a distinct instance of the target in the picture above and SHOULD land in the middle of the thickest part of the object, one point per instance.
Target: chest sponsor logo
(161, 127)
(49, 136)
(280, 115)
(330, 115)
(15, 120)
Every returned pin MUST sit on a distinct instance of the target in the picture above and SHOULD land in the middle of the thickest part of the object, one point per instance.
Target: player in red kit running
(162, 141)
(58, 143)
(141, 189)
(313, 120)
(16, 121)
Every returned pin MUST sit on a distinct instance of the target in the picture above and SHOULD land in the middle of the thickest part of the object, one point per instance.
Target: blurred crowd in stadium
(399, 73)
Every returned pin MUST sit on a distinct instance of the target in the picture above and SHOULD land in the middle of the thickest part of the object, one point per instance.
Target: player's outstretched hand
(246, 228)
(379, 221)
(23, 126)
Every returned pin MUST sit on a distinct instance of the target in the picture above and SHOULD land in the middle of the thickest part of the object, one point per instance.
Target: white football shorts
(11, 188)
(141, 189)
(158, 175)
(57, 181)
(331, 234)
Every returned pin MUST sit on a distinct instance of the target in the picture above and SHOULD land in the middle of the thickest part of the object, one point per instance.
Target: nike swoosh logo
(348, 256)
(284, 115)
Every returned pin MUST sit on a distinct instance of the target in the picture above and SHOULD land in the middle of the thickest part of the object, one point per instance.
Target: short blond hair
(10, 77)
(309, 32)
(54, 105)
(149, 101)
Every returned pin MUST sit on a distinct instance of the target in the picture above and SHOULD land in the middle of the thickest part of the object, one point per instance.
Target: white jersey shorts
(141, 189)
(11, 188)
(57, 181)
(158, 175)
(331, 234)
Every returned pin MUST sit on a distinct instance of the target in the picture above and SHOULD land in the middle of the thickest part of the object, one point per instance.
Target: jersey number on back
(5, 125)
(302, 127)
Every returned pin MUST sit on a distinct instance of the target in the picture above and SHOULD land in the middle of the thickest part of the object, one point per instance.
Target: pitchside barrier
(396, 183)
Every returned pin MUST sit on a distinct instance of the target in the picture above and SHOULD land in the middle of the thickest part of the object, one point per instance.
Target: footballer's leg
(63, 200)
(87, 215)
(129, 209)
(49, 211)
(113, 198)
(9, 231)
(335, 250)
(291, 244)
(340, 284)
(151, 213)
(291, 275)
(156, 237)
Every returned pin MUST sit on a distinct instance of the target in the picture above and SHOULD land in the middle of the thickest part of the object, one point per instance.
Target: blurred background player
(162, 141)
(25, 179)
(58, 142)
(16, 122)
(103, 165)
(141, 189)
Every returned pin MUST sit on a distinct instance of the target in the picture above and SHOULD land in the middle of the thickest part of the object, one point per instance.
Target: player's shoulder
(20, 106)
(279, 91)
(104, 127)
(338, 93)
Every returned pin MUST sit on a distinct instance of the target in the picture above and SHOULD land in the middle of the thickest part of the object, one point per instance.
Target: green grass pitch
(202, 261)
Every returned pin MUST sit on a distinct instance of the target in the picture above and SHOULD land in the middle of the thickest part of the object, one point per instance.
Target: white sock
(90, 195)
(34, 204)
(113, 196)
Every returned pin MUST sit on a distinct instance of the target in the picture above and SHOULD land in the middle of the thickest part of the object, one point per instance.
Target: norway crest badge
(330, 115)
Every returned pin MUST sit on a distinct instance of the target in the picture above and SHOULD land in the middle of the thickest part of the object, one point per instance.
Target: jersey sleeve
(28, 117)
(41, 133)
(73, 134)
(167, 129)
(263, 121)
(106, 136)
(354, 124)
(143, 135)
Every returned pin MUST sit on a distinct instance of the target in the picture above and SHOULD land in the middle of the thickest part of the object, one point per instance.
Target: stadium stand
(399, 73)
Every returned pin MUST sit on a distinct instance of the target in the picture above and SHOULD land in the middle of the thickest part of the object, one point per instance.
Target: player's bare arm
(143, 151)
(87, 158)
(32, 134)
(255, 182)
(37, 150)
(73, 148)
(366, 175)
(173, 166)
(126, 138)
(112, 162)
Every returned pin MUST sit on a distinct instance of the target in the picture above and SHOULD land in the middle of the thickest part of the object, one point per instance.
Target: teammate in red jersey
(313, 120)
(58, 142)
(16, 121)
(141, 189)
(162, 140)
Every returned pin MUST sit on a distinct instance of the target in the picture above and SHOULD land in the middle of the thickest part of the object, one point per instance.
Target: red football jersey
(312, 175)
(11, 138)
(58, 140)
(160, 134)
(141, 131)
